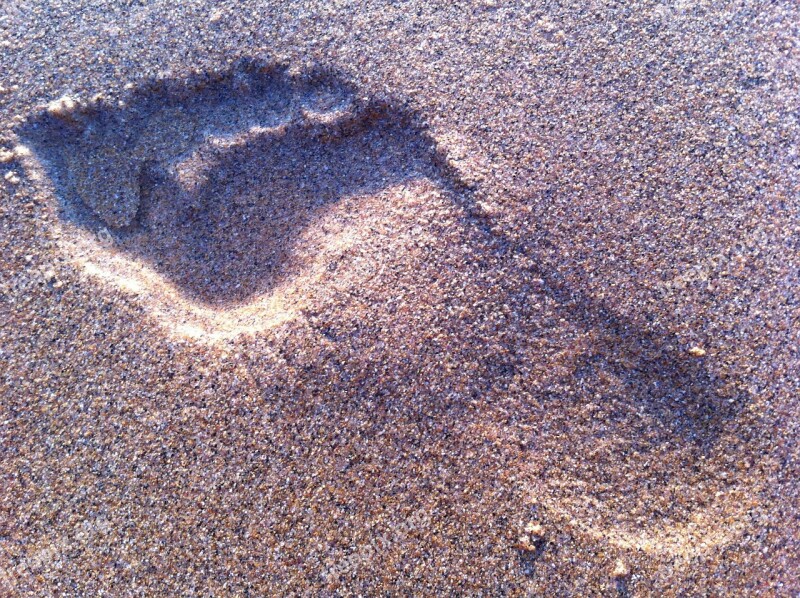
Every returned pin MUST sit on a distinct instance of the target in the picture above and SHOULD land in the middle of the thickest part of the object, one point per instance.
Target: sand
(399, 298)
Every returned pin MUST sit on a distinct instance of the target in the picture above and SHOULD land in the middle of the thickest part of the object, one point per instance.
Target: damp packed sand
(412, 298)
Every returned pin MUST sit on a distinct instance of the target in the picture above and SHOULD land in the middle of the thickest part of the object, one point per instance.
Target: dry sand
(338, 298)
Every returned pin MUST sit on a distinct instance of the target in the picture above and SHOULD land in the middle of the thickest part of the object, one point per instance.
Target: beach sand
(418, 298)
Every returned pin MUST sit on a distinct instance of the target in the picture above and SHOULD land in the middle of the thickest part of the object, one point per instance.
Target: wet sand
(399, 298)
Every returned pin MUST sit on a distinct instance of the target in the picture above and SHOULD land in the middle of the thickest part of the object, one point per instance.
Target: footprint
(224, 198)
(227, 200)
(207, 187)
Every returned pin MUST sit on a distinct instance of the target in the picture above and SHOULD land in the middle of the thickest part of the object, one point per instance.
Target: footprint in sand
(220, 198)
(227, 200)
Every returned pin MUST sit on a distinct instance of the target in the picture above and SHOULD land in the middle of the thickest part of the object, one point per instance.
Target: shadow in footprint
(675, 387)
(657, 378)
(211, 181)
(223, 224)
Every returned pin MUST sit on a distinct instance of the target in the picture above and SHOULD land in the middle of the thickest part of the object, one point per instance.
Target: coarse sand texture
(417, 298)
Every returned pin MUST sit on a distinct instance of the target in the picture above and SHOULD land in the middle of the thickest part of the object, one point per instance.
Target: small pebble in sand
(62, 108)
(621, 570)
(22, 151)
(105, 237)
(11, 177)
(531, 540)
(535, 530)
(697, 351)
